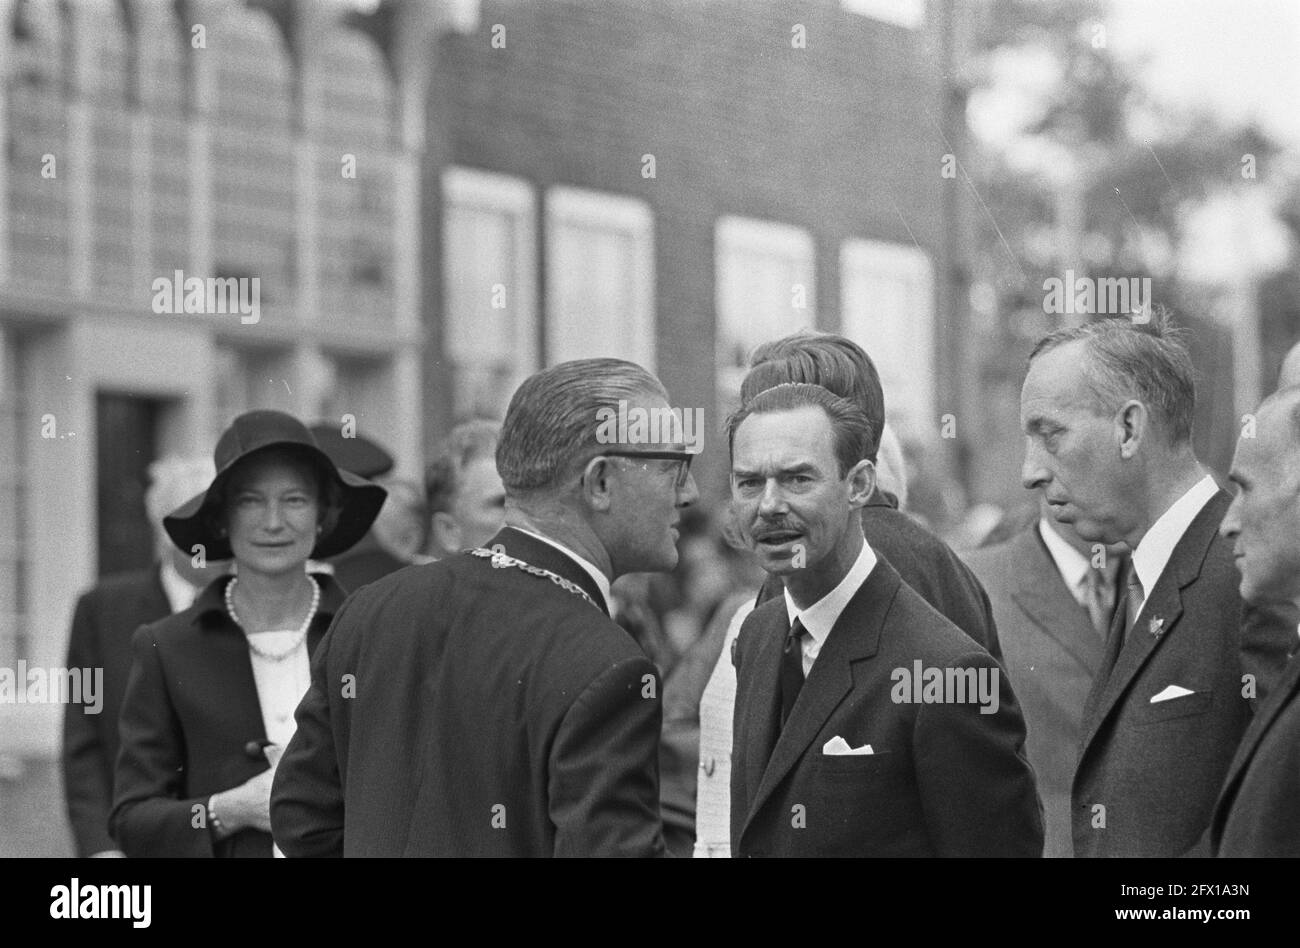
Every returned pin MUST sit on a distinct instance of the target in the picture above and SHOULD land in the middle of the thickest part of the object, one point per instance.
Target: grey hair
(1147, 361)
(550, 426)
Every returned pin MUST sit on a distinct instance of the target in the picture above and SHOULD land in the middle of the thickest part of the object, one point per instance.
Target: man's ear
(1132, 424)
(446, 532)
(862, 482)
(595, 485)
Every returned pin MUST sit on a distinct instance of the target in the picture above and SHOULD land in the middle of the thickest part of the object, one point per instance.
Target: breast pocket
(1198, 702)
(862, 765)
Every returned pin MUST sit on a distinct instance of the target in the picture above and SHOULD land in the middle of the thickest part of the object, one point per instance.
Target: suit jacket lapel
(762, 706)
(1049, 604)
(1158, 618)
(856, 636)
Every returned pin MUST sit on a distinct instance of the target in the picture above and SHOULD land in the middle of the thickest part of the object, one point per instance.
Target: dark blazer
(1157, 768)
(925, 563)
(191, 726)
(1051, 652)
(945, 779)
(492, 713)
(1257, 812)
(102, 625)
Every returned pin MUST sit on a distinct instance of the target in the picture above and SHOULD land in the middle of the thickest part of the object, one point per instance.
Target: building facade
(677, 182)
(272, 152)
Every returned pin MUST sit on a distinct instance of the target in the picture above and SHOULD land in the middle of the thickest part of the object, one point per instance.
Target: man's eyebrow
(1036, 424)
(801, 468)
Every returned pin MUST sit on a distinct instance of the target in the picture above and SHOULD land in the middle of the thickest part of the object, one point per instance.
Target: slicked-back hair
(551, 423)
(832, 361)
(849, 422)
(1147, 361)
(467, 442)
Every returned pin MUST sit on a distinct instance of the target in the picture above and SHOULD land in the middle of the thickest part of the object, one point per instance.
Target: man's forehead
(797, 434)
(1052, 390)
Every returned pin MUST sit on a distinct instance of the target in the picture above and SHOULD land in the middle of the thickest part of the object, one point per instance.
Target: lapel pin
(1157, 626)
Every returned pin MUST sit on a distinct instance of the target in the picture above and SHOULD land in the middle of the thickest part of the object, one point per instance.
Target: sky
(1238, 57)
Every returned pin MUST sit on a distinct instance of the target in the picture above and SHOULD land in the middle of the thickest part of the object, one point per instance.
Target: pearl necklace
(299, 637)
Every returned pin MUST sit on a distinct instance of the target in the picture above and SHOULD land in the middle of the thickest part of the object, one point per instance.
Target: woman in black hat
(212, 690)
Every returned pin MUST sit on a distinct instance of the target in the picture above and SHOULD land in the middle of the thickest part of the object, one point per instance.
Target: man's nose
(1231, 524)
(773, 499)
(1033, 474)
(689, 493)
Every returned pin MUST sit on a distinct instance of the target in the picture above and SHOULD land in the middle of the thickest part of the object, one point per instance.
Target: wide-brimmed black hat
(195, 521)
(356, 453)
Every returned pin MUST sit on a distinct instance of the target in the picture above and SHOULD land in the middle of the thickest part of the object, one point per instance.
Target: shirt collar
(819, 618)
(1070, 563)
(599, 578)
(1157, 545)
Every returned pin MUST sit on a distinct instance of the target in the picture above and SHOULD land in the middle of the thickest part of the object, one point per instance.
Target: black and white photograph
(698, 429)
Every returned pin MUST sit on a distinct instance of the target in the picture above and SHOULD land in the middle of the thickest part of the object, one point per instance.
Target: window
(490, 279)
(600, 277)
(908, 13)
(765, 290)
(888, 309)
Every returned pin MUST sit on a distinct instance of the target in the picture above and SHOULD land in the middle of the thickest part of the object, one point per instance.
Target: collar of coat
(209, 609)
(534, 552)
(882, 498)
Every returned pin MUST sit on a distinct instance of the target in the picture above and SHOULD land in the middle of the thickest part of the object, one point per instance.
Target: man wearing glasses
(487, 704)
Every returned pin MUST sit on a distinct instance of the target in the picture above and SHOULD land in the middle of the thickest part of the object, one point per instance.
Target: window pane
(601, 277)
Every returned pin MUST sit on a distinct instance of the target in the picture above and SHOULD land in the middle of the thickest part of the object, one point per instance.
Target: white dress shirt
(819, 618)
(1155, 548)
(1070, 563)
(599, 578)
(280, 686)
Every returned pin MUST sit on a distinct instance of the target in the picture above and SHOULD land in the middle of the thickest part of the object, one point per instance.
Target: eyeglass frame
(683, 457)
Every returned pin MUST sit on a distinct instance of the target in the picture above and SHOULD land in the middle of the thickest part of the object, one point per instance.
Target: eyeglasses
(683, 459)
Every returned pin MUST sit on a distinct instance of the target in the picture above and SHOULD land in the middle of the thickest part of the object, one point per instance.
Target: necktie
(1099, 599)
(1134, 598)
(791, 668)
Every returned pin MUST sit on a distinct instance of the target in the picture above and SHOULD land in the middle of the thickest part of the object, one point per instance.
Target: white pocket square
(839, 747)
(1173, 691)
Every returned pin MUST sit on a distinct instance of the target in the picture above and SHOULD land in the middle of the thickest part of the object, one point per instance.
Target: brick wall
(841, 138)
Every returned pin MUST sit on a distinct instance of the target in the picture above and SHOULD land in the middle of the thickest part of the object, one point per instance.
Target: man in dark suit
(839, 750)
(487, 704)
(1107, 408)
(1053, 598)
(103, 622)
(1256, 814)
(924, 561)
